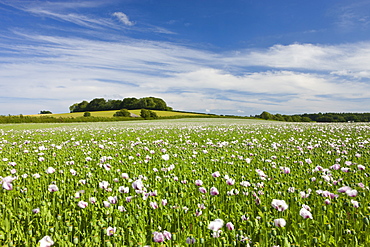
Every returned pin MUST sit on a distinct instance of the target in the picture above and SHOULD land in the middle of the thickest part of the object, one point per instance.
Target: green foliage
(122, 113)
(45, 112)
(318, 117)
(87, 114)
(78, 107)
(148, 114)
(145, 114)
(153, 115)
(266, 115)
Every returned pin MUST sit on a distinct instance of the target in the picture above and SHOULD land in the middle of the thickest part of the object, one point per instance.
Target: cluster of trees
(100, 104)
(317, 117)
(45, 112)
(339, 117)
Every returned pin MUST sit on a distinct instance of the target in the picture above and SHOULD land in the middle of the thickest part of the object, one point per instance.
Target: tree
(148, 114)
(96, 104)
(153, 115)
(296, 118)
(45, 112)
(159, 104)
(122, 113)
(266, 115)
(113, 104)
(78, 107)
(146, 103)
(73, 107)
(129, 103)
(87, 114)
(145, 114)
(279, 117)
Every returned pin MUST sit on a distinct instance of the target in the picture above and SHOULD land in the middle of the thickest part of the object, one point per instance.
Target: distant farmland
(110, 114)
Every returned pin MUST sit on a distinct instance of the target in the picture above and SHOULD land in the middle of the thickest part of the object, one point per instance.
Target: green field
(181, 182)
(110, 114)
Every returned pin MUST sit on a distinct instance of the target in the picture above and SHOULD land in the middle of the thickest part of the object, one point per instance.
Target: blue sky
(237, 57)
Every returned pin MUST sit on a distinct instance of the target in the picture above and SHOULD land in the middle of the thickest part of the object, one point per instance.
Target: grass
(47, 173)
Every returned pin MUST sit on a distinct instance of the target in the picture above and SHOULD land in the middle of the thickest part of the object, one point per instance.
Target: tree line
(100, 104)
(317, 117)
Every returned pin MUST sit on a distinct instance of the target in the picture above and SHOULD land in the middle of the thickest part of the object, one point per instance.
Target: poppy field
(184, 183)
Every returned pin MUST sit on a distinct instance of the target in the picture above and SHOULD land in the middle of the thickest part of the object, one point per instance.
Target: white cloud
(122, 17)
(57, 72)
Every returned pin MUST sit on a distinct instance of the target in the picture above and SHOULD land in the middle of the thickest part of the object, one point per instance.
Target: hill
(109, 114)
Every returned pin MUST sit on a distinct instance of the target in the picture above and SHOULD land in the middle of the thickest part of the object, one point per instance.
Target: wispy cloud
(63, 11)
(353, 16)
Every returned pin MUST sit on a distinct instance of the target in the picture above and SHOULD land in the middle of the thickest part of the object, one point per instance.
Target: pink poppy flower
(216, 174)
(230, 181)
(355, 204)
(305, 213)
(361, 167)
(92, 200)
(279, 222)
(7, 182)
(285, 170)
(230, 226)
(36, 210)
(123, 189)
(53, 188)
(138, 185)
(344, 189)
(167, 235)
(214, 191)
(111, 231)
(112, 199)
(280, 205)
(154, 205)
(50, 170)
(82, 204)
(352, 193)
(46, 242)
(198, 182)
(202, 190)
(158, 237)
(216, 225)
(165, 157)
(104, 185)
(73, 172)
